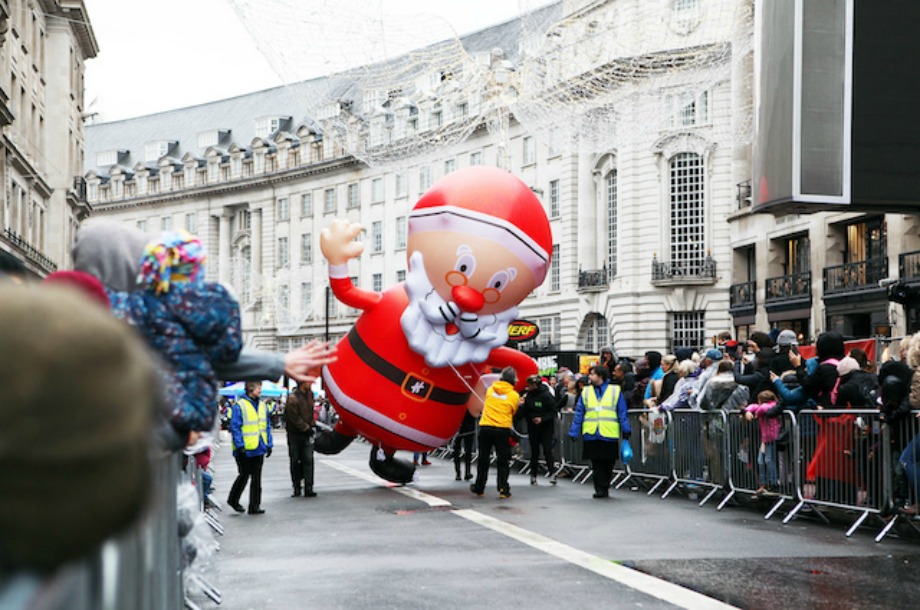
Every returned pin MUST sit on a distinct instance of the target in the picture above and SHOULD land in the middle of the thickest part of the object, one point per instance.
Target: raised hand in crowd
(305, 363)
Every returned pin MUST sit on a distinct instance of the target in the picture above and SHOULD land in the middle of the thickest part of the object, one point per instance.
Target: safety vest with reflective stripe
(601, 414)
(255, 424)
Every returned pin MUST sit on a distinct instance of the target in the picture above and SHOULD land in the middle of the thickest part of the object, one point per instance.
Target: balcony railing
(909, 267)
(744, 194)
(855, 277)
(29, 251)
(794, 287)
(699, 269)
(595, 278)
(743, 296)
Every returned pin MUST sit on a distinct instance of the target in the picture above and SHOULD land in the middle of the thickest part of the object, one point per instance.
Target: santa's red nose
(468, 299)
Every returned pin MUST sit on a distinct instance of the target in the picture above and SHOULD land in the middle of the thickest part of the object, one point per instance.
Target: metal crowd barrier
(840, 461)
(651, 443)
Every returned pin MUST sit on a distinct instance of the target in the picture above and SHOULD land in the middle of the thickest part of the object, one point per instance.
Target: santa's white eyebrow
(512, 271)
(464, 249)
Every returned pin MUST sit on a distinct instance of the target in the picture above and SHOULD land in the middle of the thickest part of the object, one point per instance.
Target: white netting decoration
(593, 75)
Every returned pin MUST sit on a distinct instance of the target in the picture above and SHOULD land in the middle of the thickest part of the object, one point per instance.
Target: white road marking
(650, 585)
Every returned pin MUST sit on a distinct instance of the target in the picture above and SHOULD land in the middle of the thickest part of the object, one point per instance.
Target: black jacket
(539, 403)
(854, 390)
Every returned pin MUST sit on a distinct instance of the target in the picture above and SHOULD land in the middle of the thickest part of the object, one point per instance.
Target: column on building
(256, 233)
(223, 254)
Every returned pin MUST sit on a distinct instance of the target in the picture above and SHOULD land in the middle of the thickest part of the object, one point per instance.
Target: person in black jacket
(539, 410)
(818, 385)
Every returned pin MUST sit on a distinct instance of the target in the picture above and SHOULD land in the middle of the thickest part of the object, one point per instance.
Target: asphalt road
(364, 544)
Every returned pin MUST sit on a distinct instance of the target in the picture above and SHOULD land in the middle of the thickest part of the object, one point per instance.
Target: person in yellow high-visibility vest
(251, 437)
(601, 420)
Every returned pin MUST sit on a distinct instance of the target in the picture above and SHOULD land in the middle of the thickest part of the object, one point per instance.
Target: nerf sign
(522, 330)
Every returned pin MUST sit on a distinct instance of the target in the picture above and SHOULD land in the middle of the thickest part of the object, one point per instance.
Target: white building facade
(43, 47)
(652, 241)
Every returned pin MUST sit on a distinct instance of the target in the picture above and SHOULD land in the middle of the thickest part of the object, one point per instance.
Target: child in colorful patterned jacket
(191, 323)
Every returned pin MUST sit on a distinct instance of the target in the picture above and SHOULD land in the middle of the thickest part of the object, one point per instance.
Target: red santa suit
(385, 391)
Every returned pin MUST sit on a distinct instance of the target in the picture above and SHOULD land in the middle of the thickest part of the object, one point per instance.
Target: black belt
(413, 385)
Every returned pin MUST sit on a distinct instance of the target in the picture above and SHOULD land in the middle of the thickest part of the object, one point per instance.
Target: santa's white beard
(425, 319)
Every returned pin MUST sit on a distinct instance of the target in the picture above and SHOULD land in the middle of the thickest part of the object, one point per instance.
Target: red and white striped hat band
(452, 218)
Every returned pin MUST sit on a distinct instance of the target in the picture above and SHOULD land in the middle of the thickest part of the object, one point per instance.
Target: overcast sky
(156, 56)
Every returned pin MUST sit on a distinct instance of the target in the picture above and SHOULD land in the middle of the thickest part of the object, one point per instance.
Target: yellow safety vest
(601, 414)
(255, 424)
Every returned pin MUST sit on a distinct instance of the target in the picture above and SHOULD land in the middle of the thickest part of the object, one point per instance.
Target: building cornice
(74, 11)
(25, 167)
(233, 187)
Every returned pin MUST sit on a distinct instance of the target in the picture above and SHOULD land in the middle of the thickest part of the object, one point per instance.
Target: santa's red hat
(492, 203)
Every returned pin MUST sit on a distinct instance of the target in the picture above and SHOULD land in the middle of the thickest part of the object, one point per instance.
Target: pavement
(363, 543)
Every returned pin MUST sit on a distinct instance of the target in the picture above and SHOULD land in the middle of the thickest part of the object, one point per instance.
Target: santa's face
(479, 275)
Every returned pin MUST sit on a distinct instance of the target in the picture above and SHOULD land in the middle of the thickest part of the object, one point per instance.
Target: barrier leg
(887, 528)
(726, 499)
(655, 486)
(774, 509)
(711, 493)
(669, 490)
(859, 521)
(623, 482)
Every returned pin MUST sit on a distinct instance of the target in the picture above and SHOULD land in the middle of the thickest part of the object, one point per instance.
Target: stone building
(43, 47)
(654, 245)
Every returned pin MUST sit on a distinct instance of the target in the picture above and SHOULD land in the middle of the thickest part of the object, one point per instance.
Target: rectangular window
(306, 248)
(284, 209)
(329, 201)
(306, 298)
(142, 226)
(191, 223)
(449, 166)
(436, 120)
(377, 190)
(687, 329)
(306, 204)
(688, 109)
(424, 179)
(245, 220)
(553, 198)
(554, 269)
(612, 234)
(376, 237)
(476, 158)
(552, 147)
(377, 282)
(687, 215)
(402, 185)
(401, 275)
(354, 199)
(282, 252)
(400, 232)
(530, 156)
(166, 223)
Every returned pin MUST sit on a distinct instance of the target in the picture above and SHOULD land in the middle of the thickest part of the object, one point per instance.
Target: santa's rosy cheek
(491, 295)
(455, 278)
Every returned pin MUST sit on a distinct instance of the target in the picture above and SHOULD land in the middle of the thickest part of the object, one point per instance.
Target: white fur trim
(338, 272)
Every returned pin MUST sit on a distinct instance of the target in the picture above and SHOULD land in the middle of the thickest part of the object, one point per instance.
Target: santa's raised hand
(337, 241)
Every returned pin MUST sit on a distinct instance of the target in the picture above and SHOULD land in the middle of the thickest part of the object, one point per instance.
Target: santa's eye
(499, 280)
(466, 264)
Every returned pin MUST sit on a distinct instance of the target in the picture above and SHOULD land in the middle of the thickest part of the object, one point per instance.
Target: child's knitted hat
(175, 257)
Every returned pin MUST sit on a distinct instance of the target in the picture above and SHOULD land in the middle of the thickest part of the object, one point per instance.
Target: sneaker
(235, 506)
(475, 491)
(426, 463)
(552, 481)
(504, 495)
(533, 479)
(458, 477)
(468, 476)
(309, 493)
(600, 494)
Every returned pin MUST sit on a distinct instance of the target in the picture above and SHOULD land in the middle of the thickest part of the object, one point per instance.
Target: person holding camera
(539, 409)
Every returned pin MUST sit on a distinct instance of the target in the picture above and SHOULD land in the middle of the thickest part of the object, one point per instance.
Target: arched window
(595, 332)
(687, 214)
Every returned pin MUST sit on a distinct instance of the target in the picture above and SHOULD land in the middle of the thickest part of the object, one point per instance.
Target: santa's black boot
(391, 469)
(330, 442)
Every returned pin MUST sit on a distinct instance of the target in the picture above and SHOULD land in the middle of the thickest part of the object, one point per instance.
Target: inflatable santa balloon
(479, 242)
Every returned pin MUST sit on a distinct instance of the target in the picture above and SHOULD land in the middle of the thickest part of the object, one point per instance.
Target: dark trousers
(464, 439)
(300, 452)
(603, 473)
(541, 436)
(248, 467)
(496, 438)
